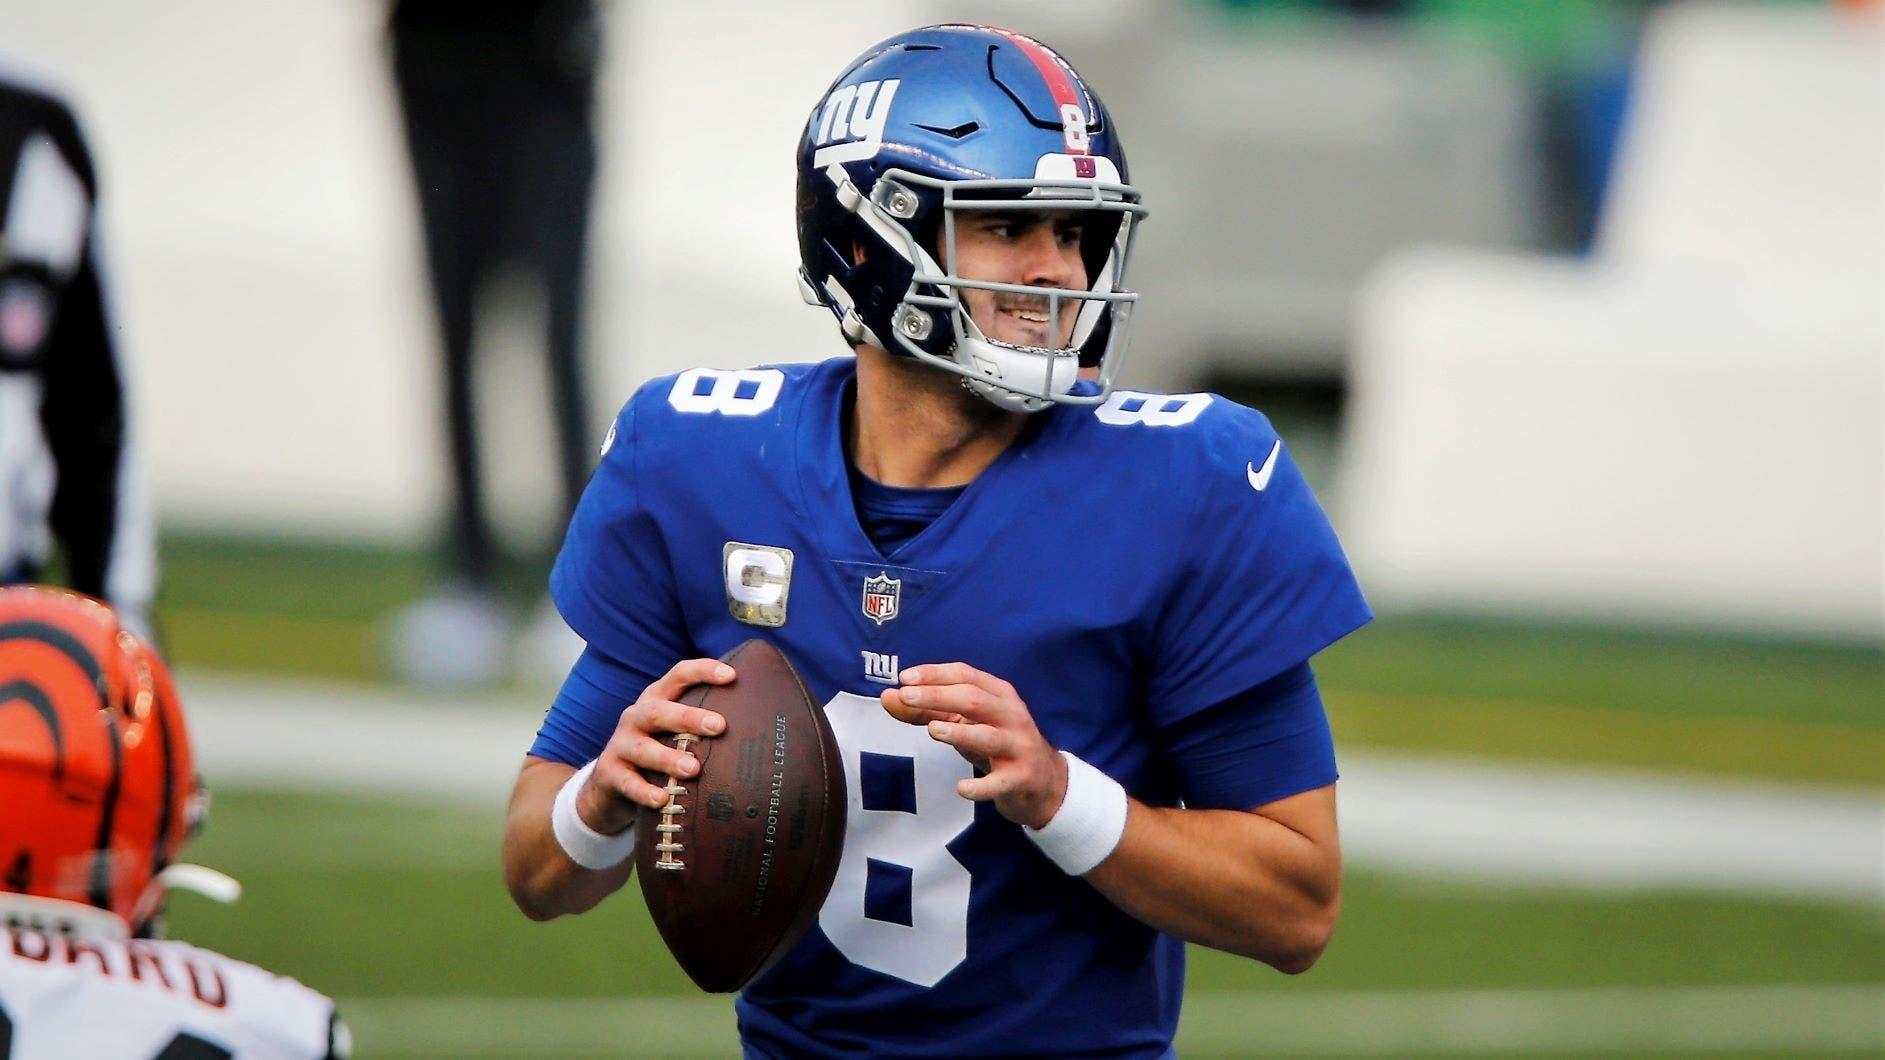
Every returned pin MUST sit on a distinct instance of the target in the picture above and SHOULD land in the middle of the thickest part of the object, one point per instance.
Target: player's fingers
(894, 705)
(958, 673)
(948, 673)
(982, 742)
(973, 702)
(667, 716)
(983, 788)
(642, 751)
(897, 707)
(686, 673)
(628, 783)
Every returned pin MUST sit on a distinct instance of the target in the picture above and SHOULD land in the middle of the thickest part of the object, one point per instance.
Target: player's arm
(545, 880)
(1263, 883)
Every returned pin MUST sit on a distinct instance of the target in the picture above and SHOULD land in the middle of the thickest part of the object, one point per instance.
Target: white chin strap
(196, 879)
(80, 921)
(993, 367)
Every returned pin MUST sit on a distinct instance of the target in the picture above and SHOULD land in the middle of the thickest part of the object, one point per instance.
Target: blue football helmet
(951, 118)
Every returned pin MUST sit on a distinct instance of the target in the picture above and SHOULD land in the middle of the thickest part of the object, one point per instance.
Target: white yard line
(1450, 817)
(357, 738)
(1547, 823)
(1637, 1020)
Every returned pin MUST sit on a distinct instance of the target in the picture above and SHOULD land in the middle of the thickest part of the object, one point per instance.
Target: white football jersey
(152, 1000)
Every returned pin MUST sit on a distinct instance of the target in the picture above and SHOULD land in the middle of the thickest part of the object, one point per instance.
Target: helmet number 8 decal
(900, 902)
(747, 392)
(1073, 128)
(1126, 408)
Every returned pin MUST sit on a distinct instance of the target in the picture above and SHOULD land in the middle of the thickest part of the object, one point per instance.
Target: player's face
(1038, 248)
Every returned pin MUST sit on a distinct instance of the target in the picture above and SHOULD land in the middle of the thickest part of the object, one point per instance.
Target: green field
(1774, 709)
(399, 909)
(379, 902)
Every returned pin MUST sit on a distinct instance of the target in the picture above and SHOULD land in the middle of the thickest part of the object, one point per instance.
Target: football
(737, 864)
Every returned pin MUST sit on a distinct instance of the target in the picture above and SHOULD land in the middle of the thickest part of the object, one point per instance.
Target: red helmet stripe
(1055, 72)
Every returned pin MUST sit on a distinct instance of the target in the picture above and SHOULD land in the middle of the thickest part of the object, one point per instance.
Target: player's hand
(607, 802)
(985, 720)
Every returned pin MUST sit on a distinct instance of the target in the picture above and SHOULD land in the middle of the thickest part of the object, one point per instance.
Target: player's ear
(857, 253)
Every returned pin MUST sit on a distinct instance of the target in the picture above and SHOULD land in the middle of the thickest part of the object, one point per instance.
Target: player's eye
(1004, 226)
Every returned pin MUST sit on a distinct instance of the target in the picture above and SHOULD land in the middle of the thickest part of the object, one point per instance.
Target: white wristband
(584, 845)
(1089, 823)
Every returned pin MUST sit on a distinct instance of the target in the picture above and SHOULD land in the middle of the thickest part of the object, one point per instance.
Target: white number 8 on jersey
(937, 937)
(1127, 408)
(746, 392)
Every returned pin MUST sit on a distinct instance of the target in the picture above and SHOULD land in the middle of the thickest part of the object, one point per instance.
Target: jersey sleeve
(612, 580)
(1263, 744)
(1260, 583)
(587, 708)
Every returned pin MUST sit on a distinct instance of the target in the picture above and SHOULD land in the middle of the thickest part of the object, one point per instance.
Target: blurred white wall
(1688, 426)
(262, 258)
(1281, 158)
(265, 251)
(272, 291)
(697, 239)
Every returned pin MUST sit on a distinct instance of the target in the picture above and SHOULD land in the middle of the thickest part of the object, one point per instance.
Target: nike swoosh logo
(1260, 477)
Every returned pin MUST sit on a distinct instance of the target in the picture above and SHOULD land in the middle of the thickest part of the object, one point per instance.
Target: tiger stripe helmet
(96, 774)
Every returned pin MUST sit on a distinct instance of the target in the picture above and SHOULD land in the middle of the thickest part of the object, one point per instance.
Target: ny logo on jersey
(881, 668)
(881, 596)
(851, 125)
(758, 581)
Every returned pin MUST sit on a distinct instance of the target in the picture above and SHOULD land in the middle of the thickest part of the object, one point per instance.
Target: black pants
(503, 151)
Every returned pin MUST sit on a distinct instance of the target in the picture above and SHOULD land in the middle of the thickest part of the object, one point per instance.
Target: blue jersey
(1125, 566)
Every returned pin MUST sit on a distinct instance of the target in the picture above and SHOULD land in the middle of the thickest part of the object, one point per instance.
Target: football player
(1062, 630)
(68, 473)
(100, 791)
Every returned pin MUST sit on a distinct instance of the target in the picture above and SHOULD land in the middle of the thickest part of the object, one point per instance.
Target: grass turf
(1775, 709)
(366, 897)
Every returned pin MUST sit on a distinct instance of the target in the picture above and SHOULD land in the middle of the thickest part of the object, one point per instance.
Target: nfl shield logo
(880, 598)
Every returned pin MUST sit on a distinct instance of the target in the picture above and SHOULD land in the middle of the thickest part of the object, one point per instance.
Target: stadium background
(1572, 309)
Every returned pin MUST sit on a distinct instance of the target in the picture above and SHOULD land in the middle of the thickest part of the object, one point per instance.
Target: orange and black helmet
(98, 789)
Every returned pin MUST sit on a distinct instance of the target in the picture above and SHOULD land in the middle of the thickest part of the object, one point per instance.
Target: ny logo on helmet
(851, 125)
